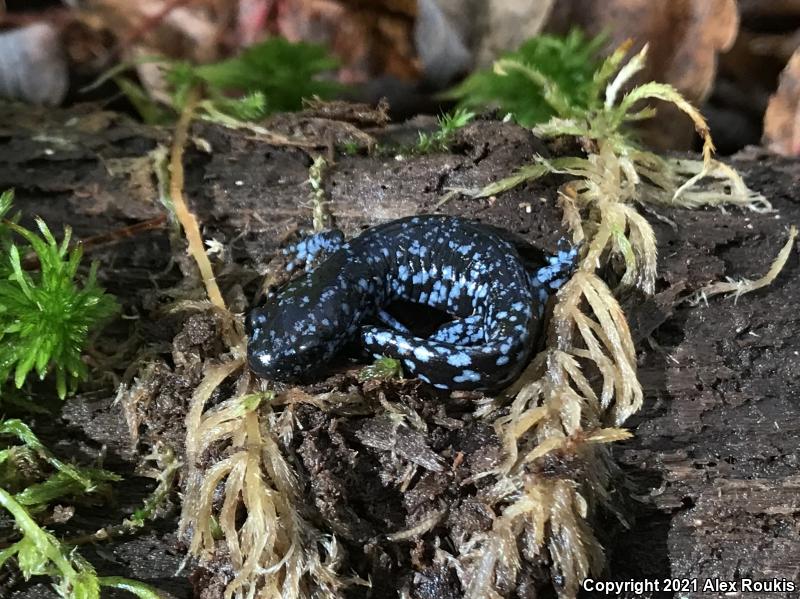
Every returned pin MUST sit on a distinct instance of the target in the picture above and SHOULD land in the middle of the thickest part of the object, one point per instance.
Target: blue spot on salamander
(467, 376)
(459, 359)
(423, 354)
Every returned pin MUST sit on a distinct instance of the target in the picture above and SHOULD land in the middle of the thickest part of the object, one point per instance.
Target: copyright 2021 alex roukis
(616, 588)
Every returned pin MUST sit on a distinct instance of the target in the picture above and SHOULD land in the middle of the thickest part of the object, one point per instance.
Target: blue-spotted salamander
(471, 271)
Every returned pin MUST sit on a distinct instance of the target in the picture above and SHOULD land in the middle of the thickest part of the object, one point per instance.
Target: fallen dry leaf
(685, 38)
(760, 9)
(371, 38)
(782, 119)
(748, 74)
(491, 27)
(187, 29)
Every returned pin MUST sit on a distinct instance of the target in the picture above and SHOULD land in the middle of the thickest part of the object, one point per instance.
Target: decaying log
(713, 466)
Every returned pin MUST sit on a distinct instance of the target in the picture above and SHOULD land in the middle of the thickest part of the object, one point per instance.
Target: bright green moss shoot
(46, 314)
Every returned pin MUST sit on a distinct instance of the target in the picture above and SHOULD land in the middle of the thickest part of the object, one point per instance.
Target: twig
(118, 235)
(185, 217)
(31, 259)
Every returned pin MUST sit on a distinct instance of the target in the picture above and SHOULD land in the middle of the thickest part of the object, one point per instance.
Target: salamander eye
(255, 320)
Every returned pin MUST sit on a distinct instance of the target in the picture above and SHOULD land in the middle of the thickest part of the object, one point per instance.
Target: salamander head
(297, 330)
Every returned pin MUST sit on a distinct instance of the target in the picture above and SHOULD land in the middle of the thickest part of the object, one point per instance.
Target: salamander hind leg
(313, 249)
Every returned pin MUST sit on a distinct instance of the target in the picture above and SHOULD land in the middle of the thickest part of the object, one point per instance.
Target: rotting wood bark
(714, 459)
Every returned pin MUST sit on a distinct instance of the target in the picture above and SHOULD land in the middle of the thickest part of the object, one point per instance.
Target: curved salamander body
(468, 270)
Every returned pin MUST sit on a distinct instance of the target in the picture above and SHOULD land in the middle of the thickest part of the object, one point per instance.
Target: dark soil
(711, 474)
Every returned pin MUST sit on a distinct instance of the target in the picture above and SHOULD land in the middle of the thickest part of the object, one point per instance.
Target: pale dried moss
(571, 401)
(742, 286)
(653, 178)
(558, 412)
(273, 552)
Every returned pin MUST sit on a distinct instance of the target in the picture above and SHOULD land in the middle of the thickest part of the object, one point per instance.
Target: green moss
(382, 369)
(26, 462)
(553, 66)
(39, 553)
(350, 148)
(281, 72)
(36, 551)
(440, 140)
(45, 315)
(273, 76)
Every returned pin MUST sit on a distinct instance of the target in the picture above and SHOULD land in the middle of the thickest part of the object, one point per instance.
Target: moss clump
(45, 315)
(549, 67)
(36, 551)
(440, 140)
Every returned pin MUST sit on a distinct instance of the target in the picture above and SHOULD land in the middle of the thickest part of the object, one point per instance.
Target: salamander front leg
(312, 250)
(549, 278)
